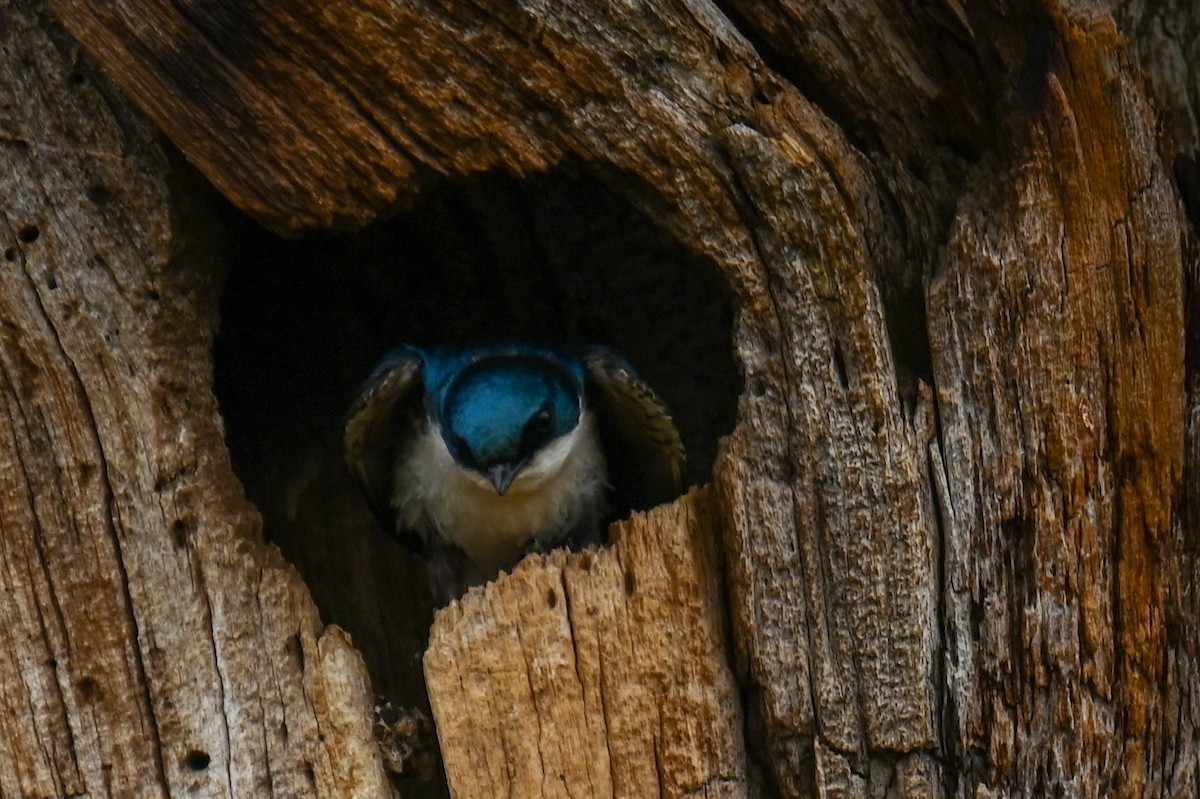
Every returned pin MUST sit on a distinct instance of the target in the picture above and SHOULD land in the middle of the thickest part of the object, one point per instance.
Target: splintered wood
(595, 674)
(1062, 439)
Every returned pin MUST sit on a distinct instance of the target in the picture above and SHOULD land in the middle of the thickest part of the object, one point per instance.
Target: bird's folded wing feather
(644, 452)
(383, 412)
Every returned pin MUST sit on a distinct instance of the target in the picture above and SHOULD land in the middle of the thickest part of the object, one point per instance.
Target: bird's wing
(645, 455)
(384, 412)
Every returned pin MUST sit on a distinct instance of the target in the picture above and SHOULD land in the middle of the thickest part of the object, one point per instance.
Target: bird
(475, 456)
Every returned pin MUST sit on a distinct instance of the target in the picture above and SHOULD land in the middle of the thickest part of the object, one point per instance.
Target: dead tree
(927, 272)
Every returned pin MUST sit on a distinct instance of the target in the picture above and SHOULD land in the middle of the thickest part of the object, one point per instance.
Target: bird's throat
(553, 493)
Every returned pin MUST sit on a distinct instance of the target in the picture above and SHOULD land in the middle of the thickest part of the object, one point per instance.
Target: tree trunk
(940, 260)
(153, 645)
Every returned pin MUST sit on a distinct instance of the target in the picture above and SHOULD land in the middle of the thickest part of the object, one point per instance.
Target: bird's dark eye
(539, 427)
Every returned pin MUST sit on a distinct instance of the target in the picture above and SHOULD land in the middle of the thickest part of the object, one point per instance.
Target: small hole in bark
(839, 363)
(76, 78)
(51, 282)
(297, 649)
(552, 599)
(196, 760)
(153, 296)
(99, 194)
(88, 689)
(10, 254)
(630, 584)
(29, 234)
(180, 532)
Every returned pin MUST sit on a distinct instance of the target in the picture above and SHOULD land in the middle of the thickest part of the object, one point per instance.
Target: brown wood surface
(600, 673)
(153, 645)
(958, 552)
(1062, 437)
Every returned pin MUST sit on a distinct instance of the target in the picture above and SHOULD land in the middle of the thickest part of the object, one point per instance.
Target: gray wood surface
(154, 646)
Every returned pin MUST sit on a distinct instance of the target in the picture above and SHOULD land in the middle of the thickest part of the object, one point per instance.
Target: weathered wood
(1056, 319)
(153, 645)
(951, 510)
(830, 539)
(601, 673)
(1165, 35)
(304, 136)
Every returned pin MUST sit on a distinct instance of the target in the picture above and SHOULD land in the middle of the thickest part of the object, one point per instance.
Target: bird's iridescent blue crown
(504, 407)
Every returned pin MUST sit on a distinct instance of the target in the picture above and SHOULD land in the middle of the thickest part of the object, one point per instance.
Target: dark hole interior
(197, 760)
(554, 257)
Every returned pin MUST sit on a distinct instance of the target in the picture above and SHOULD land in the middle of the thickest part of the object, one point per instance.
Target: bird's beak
(502, 475)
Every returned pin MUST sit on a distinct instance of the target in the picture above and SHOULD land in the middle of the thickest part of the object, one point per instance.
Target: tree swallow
(477, 456)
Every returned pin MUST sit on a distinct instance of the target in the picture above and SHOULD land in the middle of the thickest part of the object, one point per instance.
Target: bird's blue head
(500, 410)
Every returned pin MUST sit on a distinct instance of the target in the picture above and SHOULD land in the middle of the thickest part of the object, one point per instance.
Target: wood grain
(153, 645)
(959, 561)
(602, 673)
(1062, 432)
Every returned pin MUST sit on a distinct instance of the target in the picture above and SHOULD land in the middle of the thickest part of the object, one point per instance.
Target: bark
(955, 552)
(154, 645)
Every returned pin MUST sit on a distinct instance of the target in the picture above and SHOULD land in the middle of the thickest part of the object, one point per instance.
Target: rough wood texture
(1166, 36)
(952, 510)
(153, 645)
(1062, 435)
(595, 674)
(826, 509)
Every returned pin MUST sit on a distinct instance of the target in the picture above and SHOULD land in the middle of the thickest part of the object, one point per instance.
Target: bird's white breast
(562, 486)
